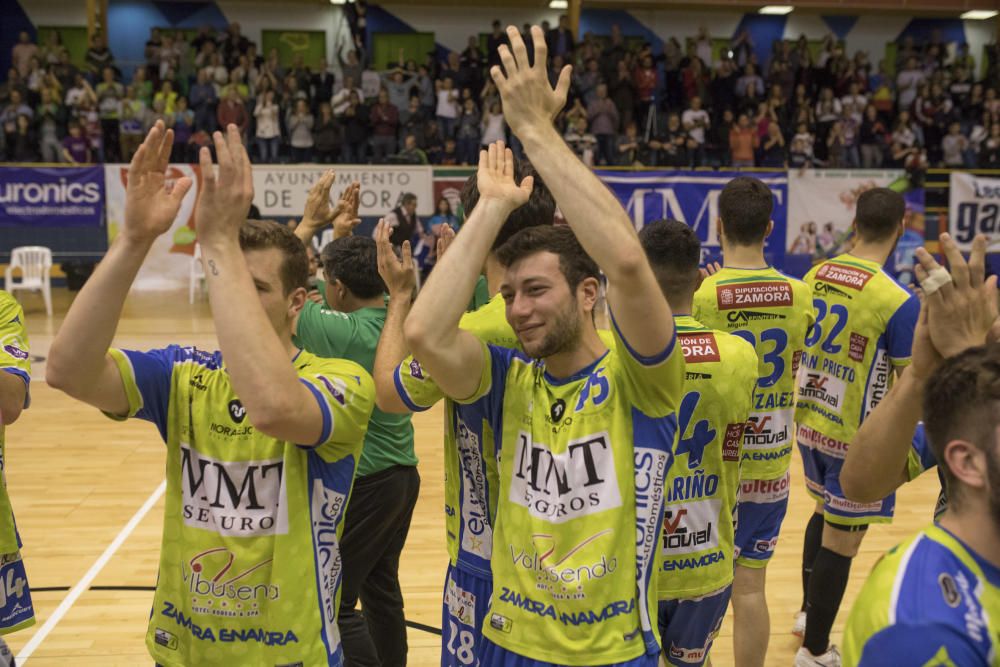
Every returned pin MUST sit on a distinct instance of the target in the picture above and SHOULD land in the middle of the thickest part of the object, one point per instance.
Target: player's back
(772, 312)
(864, 329)
(929, 601)
(703, 482)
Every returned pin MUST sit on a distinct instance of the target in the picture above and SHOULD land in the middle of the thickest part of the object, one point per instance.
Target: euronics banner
(281, 191)
(52, 197)
(973, 208)
(692, 197)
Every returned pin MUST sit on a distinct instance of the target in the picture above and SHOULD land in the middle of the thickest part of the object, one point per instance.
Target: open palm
(150, 205)
(495, 177)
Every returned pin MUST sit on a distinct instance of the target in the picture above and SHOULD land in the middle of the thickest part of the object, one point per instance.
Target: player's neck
(494, 275)
(873, 252)
(743, 256)
(589, 349)
(981, 536)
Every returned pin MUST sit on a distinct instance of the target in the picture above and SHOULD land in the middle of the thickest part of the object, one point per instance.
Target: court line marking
(90, 575)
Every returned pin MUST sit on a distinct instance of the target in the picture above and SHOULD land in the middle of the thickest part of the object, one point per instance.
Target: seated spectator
(468, 133)
(743, 141)
(585, 81)
(672, 145)
(633, 151)
(327, 135)
(443, 216)
(411, 153)
(449, 155)
(581, 141)
(22, 143)
(76, 148)
(16, 107)
(300, 123)
(433, 142)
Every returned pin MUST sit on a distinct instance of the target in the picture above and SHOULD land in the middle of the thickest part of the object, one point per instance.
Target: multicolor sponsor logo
(846, 276)
(699, 347)
(750, 295)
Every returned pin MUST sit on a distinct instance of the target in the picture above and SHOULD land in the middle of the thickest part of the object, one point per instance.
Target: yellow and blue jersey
(703, 483)
(250, 568)
(583, 462)
(929, 601)
(863, 331)
(772, 312)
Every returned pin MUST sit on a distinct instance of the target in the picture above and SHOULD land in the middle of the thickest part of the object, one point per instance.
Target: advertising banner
(693, 198)
(973, 208)
(52, 197)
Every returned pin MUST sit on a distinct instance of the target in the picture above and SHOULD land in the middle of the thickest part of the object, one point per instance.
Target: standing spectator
(50, 118)
(717, 140)
(143, 86)
(203, 100)
(742, 48)
(743, 141)
(232, 110)
(448, 156)
(300, 123)
(351, 68)
(355, 120)
(622, 93)
(836, 146)
(268, 133)
(750, 87)
(22, 144)
(443, 216)
(109, 104)
(327, 135)
(954, 146)
(168, 95)
(722, 89)
(646, 80)
(494, 127)
(342, 98)
(183, 125)
(989, 156)
(703, 47)
(854, 98)
(426, 91)
(98, 57)
(603, 117)
(80, 91)
(76, 148)
(851, 124)
(403, 220)
(385, 124)
(581, 141)
(468, 134)
(23, 52)
(53, 49)
(234, 45)
(828, 112)
(132, 124)
(398, 84)
(493, 42)
(560, 39)
(413, 120)
(696, 120)
(447, 107)
(908, 82)
(585, 80)
(321, 84)
(696, 80)
(772, 151)
(873, 136)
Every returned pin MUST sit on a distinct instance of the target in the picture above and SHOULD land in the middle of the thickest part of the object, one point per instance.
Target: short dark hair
(540, 209)
(574, 262)
(745, 207)
(879, 213)
(962, 401)
(408, 197)
(353, 261)
(674, 252)
(266, 234)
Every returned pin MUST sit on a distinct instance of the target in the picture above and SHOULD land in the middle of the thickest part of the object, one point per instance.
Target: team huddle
(619, 421)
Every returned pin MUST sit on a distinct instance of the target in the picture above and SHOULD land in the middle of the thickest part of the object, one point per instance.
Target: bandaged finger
(935, 280)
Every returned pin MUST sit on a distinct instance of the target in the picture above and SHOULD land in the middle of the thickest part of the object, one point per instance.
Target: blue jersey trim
(27, 382)
(579, 375)
(403, 395)
(646, 361)
(991, 571)
(324, 408)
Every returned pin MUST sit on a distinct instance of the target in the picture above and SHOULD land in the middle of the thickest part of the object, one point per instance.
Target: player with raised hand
(262, 438)
(695, 583)
(751, 299)
(585, 433)
(862, 337)
(891, 448)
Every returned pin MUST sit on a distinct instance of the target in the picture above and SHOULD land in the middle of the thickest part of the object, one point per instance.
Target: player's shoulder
(189, 355)
(489, 323)
(8, 303)
(307, 363)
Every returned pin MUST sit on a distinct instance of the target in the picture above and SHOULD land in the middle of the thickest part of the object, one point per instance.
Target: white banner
(973, 208)
(821, 207)
(169, 261)
(281, 191)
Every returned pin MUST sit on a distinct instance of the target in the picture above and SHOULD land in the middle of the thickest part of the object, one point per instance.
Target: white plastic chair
(35, 263)
(197, 272)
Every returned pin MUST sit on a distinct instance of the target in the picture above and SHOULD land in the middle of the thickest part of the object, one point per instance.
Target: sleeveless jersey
(930, 600)
(864, 329)
(250, 567)
(703, 483)
(773, 312)
(583, 462)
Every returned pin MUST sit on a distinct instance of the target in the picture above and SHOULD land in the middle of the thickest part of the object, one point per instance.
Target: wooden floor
(76, 479)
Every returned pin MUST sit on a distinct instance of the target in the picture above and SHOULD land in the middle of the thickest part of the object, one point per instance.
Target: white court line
(89, 577)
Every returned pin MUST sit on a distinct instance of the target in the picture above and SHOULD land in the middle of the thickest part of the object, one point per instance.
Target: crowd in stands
(628, 106)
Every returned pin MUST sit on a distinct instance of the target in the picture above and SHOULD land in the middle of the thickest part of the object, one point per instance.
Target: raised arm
(318, 213)
(78, 362)
(595, 215)
(258, 361)
(454, 357)
(400, 278)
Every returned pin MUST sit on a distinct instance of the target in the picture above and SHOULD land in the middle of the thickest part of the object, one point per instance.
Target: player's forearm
(78, 351)
(390, 353)
(433, 321)
(876, 463)
(257, 362)
(306, 230)
(12, 393)
(592, 211)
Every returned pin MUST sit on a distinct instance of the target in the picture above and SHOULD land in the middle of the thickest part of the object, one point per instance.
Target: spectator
(672, 146)
(722, 89)
(493, 42)
(403, 220)
(109, 105)
(443, 216)
(851, 123)
(989, 156)
(411, 153)
(695, 121)
(494, 127)
(585, 81)
(672, 58)
(268, 132)
(16, 107)
(81, 90)
(696, 80)
(632, 149)
(300, 123)
(413, 120)
(168, 95)
(76, 148)
(447, 107)
(426, 91)
(23, 52)
(342, 98)
(384, 118)
(468, 134)
(131, 127)
(560, 39)
(717, 140)
(836, 146)
(908, 82)
(581, 141)
(203, 100)
(646, 80)
(327, 135)
(98, 57)
(750, 87)
(232, 111)
(355, 120)
(828, 112)
(183, 125)
(352, 69)
(143, 86)
(321, 84)
(873, 137)
(51, 119)
(398, 84)
(22, 144)
(954, 147)
(603, 117)
(52, 51)
(448, 156)
(623, 94)
(773, 149)
(703, 47)
(743, 141)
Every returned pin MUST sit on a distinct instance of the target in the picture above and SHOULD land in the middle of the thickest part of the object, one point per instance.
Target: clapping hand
(529, 101)
(397, 273)
(495, 178)
(225, 197)
(151, 205)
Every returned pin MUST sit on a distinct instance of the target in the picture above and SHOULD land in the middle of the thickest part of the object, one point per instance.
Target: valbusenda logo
(50, 193)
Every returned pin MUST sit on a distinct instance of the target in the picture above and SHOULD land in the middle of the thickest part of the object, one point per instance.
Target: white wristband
(935, 280)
